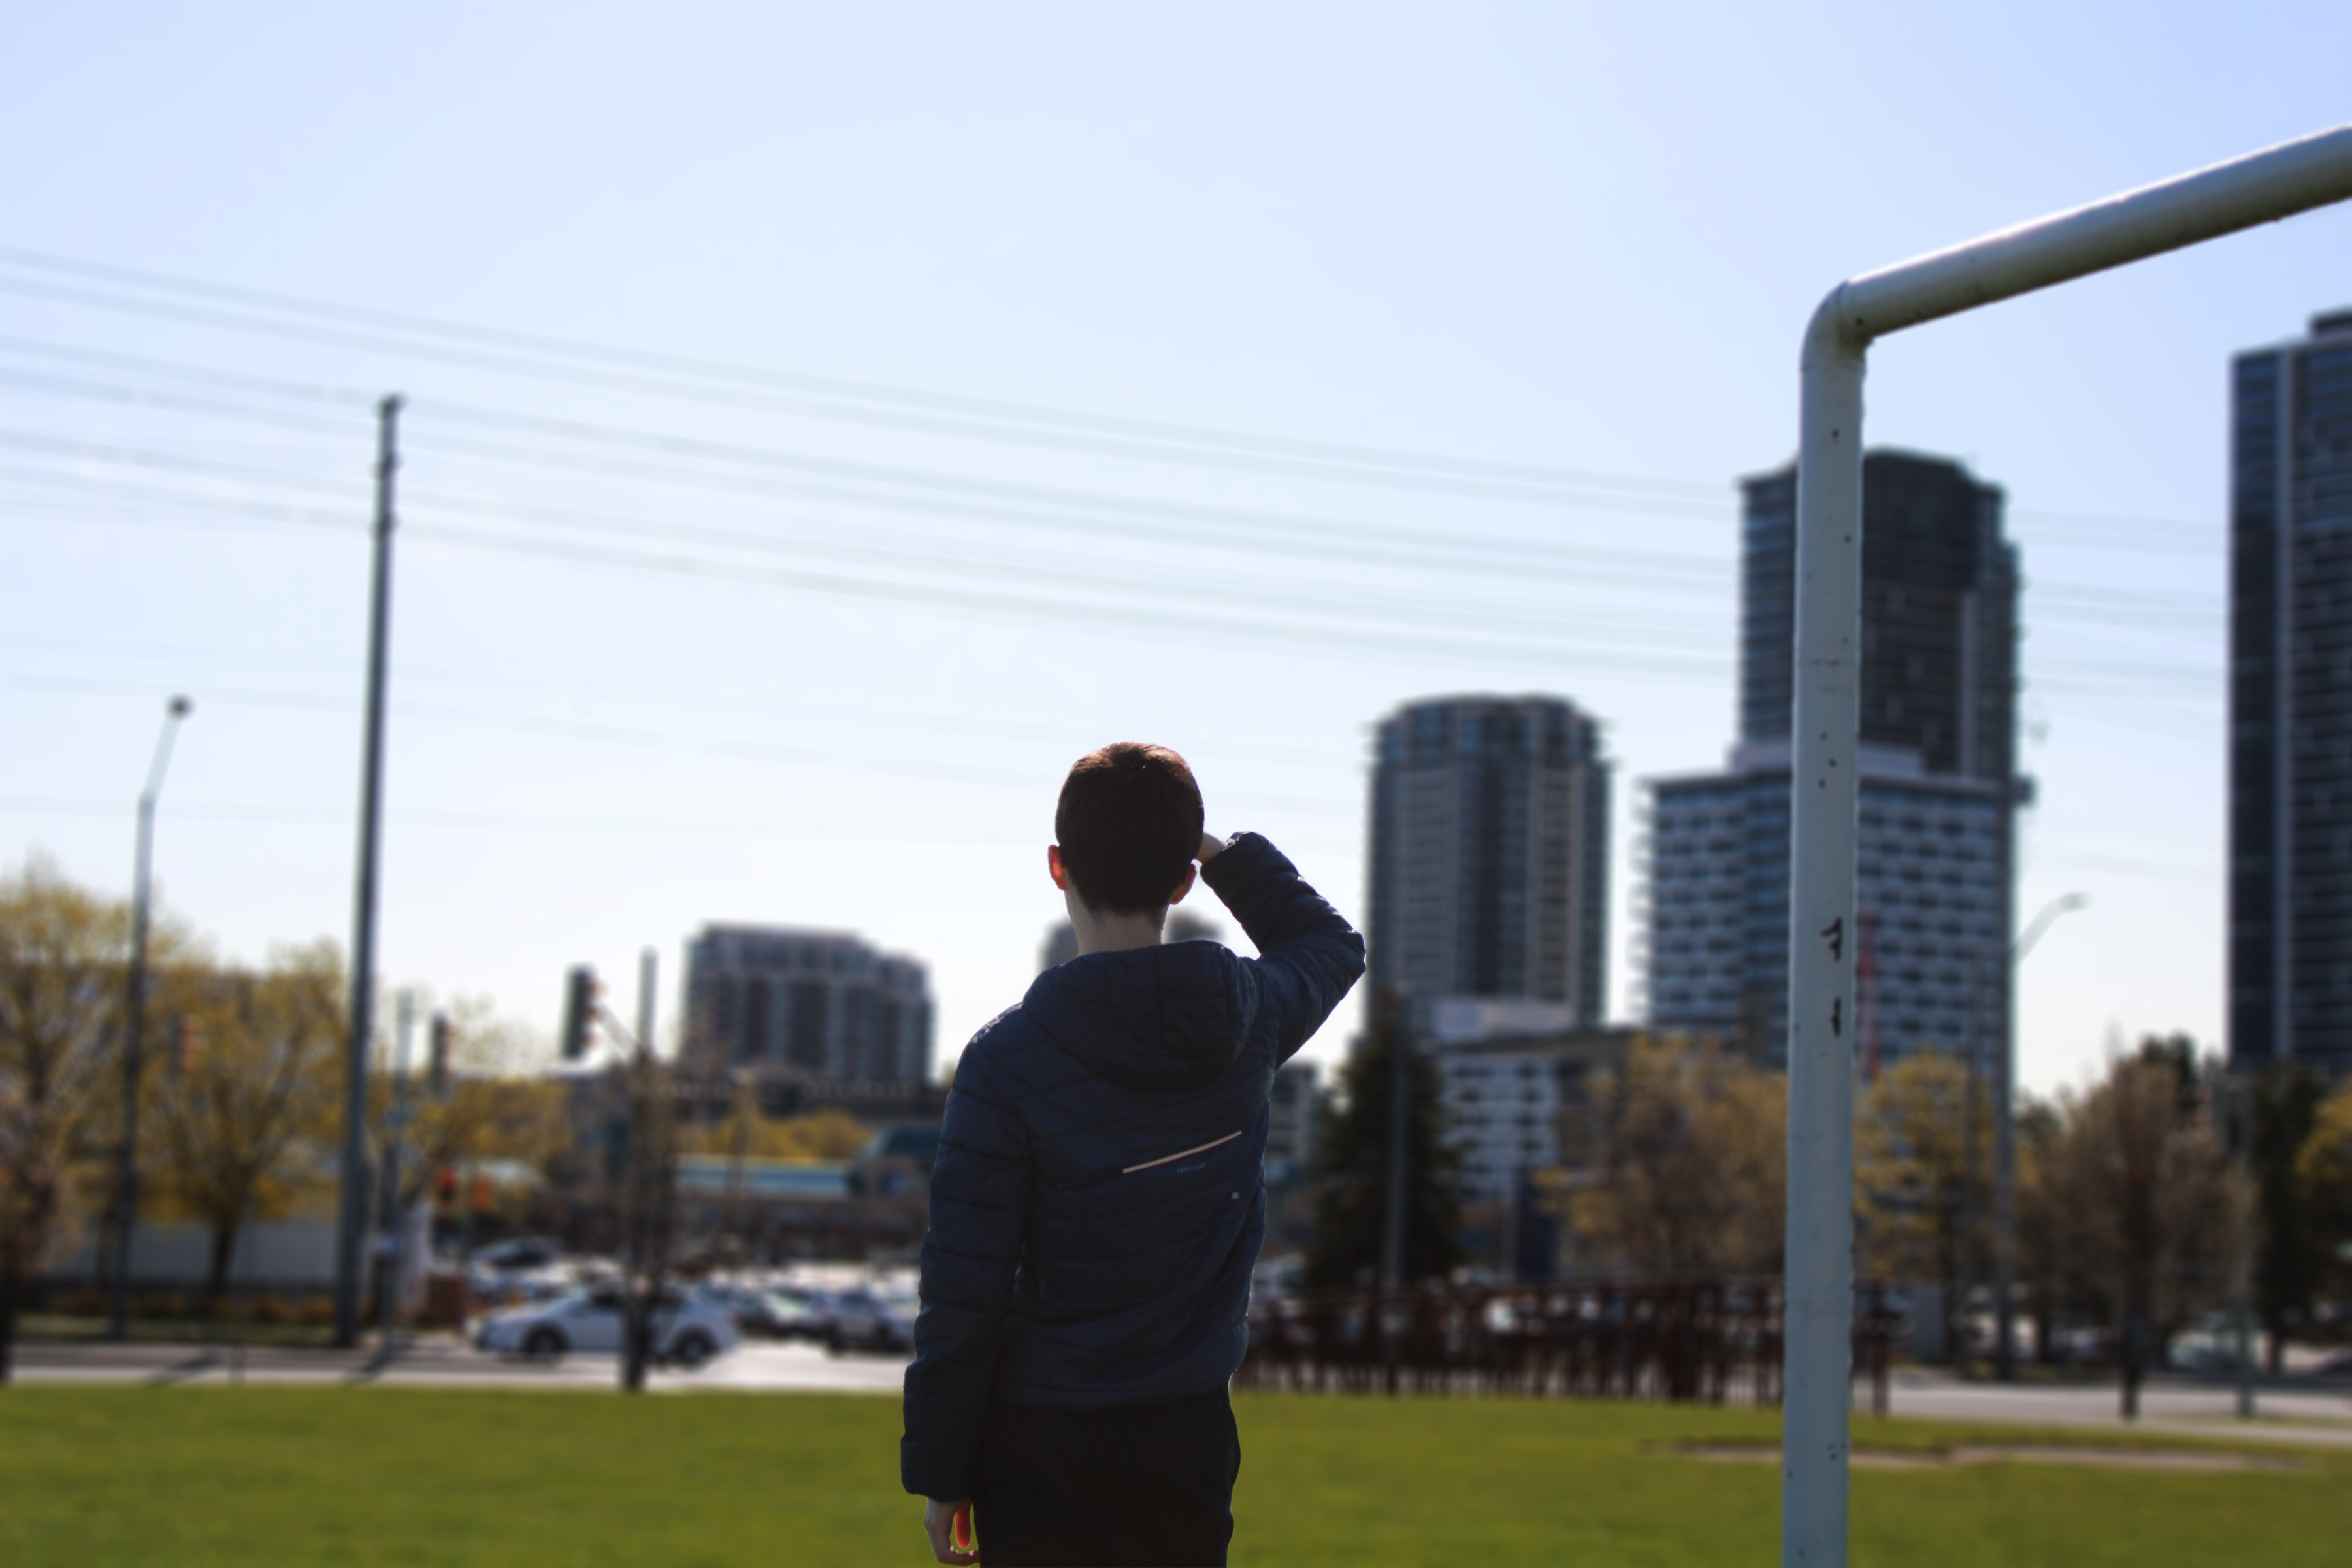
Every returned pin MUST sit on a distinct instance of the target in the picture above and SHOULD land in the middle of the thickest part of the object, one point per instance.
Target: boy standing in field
(1099, 1195)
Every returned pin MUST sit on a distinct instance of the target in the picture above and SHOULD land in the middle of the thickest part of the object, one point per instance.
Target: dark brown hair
(1128, 821)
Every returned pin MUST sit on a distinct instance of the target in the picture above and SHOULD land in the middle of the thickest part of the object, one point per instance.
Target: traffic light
(185, 1041)
(582, 992)
(439, 1072)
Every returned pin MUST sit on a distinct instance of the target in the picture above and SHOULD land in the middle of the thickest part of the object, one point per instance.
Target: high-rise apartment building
(1490, 852)
(1938, 785)
(2290, 944)
(815, 1005)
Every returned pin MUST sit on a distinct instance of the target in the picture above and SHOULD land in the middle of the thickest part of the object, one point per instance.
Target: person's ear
(1183, 887)
(1054, 866)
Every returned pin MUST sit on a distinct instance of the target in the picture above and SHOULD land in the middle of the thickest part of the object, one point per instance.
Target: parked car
(793, 1314)
(688, 1329)
(518, 1254)
(865, 1318)
(780, 1313)
(524, 1270)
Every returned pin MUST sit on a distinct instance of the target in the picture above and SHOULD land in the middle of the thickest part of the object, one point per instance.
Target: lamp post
(2004, 1199)
(126, 1209)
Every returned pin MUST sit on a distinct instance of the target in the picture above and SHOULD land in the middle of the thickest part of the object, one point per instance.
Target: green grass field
(154, 1477)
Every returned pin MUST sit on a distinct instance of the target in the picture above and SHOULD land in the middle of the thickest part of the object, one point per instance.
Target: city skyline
(1388, 366)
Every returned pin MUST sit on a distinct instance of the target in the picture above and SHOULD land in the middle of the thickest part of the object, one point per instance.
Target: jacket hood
(1159, 1020)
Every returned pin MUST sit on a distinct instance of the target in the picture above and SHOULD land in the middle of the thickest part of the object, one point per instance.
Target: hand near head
(1211, 848)
(948, 1524)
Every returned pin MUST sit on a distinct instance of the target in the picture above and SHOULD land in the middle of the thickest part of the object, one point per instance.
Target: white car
(868, 1319)
(688, 1330)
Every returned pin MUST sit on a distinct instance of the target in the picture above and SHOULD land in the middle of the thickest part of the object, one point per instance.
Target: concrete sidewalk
(2170, 1406)
(439, 1362)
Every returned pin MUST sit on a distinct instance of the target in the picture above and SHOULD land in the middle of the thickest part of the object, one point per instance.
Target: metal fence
(1706, 1340)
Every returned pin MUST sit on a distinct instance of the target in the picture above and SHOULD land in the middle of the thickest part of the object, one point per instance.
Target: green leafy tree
(1351, 1205)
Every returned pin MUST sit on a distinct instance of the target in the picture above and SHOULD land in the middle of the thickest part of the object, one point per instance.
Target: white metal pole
(2261, 188)
(1817, 1304)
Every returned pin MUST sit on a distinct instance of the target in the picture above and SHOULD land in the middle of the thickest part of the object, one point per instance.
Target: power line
(1065, 733)
(1331, 637)
(634, 737)
(1355, 534)
(1316, 616)
(1293, 628)
(1400, 480)
(1328, 461)
(1577, 563)
(982, 409)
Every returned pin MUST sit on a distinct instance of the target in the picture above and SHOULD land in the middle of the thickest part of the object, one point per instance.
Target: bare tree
(2153, 1201)
(2046, 1268)
(488, 1106)
(241, 1126)
(830, 1133)
(1922, 1146)
(2323, 1170)
(1683, 1155)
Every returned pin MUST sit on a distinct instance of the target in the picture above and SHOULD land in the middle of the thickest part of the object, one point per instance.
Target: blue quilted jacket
(1099, 1193)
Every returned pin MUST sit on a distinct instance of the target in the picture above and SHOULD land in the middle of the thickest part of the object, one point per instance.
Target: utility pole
(126, 1210)
(395, 1128)
(352, 1230)
(648, 1189)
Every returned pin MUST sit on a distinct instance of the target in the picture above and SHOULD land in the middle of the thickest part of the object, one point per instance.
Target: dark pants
(1148, 1485)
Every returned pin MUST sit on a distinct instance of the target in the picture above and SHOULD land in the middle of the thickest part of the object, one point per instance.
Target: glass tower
(1938, 750)
(1490, 852)
(2290, 955)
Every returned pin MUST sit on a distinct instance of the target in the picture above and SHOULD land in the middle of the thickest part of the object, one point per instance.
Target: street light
(126, 1214)
(2004, 1199)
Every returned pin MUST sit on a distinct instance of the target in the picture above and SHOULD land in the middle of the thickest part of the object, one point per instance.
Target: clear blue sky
(832, 675)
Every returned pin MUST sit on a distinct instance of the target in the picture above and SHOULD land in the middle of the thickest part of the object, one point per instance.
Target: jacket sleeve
(1309, 955)
(980, 1196)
